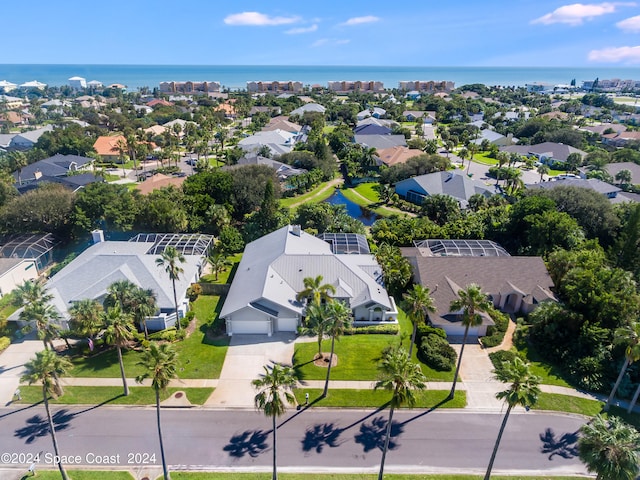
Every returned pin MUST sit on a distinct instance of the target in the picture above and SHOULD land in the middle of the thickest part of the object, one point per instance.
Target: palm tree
(471, 302)
(338, 318)
(463, 154)
(624, 177)
(315, 291)
(543, 170)
(218, 262)
(316, 323)
(119, 333)
(170, 259)
(401, 376)
(629, 336)
(45, 369)
(274, 392)
(45, 318)
(86, 317)
(17, 161)
(120, 293)
(160, 365)
(143, 305)
(32, 291)
(419, 304)
(523, 392)
(609, 447)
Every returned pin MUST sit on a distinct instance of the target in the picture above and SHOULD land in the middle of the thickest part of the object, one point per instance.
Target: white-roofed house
(262, 297)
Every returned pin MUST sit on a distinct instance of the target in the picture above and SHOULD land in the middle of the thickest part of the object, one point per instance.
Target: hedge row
(379, 329)
(495, 333)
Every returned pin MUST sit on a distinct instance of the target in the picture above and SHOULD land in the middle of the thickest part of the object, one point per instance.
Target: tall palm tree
(119, 333)
(32, 291)
(274, 393)
(419, 304)
(45, 317)
(120, 293)
(400, 376)
(45, 369)
(17, 161)
(160, 365)
(143, 304)
(523, 392)
(170, 259)
(338, 318)
(86, 317)
(543, 170)
(628, 335)
(610, 448)
(315, 291)
(218, 262)
(471, 302)
(316, 323)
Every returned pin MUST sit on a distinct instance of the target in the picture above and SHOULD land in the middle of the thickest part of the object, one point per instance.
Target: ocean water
(236, 76)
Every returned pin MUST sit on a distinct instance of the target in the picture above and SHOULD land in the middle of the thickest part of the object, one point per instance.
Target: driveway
(11, 366)
(245, 360)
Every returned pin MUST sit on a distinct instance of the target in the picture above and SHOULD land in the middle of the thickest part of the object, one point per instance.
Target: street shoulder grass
(112, 395)
(347, 398)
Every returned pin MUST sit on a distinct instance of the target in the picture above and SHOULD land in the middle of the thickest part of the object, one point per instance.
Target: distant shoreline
(236, 76)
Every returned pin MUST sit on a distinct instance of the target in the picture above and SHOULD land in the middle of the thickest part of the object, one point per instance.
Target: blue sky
(329, 32)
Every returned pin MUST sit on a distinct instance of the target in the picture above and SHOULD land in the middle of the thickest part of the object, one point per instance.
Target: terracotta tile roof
(159, 181)
(395, 155)
(159, 101)
(108, 145)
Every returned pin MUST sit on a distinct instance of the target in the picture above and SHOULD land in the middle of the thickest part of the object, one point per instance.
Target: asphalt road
(318, 440)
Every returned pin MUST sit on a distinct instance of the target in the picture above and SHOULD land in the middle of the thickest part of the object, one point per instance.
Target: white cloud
(330, 42)
(258, 19)
(616, 55)
(631, 24)
(360, 20)
(576, 13)
(296, 31)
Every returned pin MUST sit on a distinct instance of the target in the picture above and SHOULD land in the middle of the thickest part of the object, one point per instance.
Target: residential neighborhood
(330, 238)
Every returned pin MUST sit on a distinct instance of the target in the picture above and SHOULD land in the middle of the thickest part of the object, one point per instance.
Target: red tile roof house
(107, 148)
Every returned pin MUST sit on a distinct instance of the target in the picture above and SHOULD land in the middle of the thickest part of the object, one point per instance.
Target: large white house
(262, 297)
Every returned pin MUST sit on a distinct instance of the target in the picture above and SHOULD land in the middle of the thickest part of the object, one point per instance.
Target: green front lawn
(345, 398)
(568, 404)
(199, 356)
(113, 395)
(550, 374)
(358, 356)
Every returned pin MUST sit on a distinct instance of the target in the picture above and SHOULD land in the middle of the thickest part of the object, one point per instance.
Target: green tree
(45, 369)
(418, 305)
(624, 177)
(218, 262)
(338, 318)
(170, 260)
(17, 161)
(400, 376)
(142, 305)
(119, 332)
(315, 323)
(119, 293)
(160, 364)
(86, 317)
(523, 392)
(45, 318)
(609, 448)
(543, 170)
(274, 393)
(315, 291)
(471, 302)
(629, 336)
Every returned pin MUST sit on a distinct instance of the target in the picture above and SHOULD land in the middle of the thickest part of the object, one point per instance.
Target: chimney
(37, 174)
(97, 236)
(296, 230)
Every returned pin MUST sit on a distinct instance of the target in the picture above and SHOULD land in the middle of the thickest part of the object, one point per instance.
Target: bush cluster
(375, 329)
(495, 333)
(436, 352)
(4, 343)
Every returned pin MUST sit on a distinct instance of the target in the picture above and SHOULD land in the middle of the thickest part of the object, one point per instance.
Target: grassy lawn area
(569, 404)
(551, 374)
(314, 196)
(82, 475)
(367, 190)
(108, 177)
(227, 275)
(6, 305)
(377, 398)
(350, 194)
(198, 355)
(328, 129)
(112, 395)
(358, 356)
(484, 159)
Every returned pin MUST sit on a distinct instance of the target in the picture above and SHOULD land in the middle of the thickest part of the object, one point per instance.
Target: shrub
(4, 343)
(181, 334)
(495, 333)
(373, 329)
(501, 357)
(436, 352)
(167, 335)
(193, 291)
(424, 330)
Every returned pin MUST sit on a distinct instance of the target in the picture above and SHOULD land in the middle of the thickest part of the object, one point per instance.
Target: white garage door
(287, 324)
(249, 327)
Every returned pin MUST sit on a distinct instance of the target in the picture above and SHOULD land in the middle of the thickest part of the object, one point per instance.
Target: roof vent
(296, 230)
(97, 236)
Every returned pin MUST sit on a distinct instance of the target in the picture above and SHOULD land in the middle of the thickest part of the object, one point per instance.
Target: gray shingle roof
(454, 184)
(380, 142)
(588, 183)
